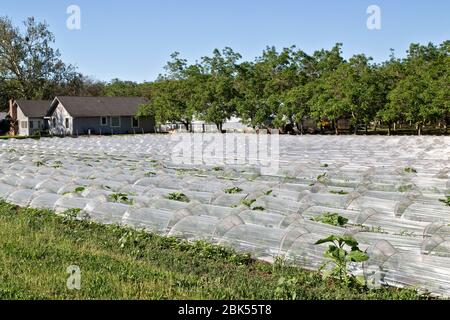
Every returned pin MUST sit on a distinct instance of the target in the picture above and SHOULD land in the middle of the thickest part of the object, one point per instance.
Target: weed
(71, 213)
(287, 288)
(269, 192)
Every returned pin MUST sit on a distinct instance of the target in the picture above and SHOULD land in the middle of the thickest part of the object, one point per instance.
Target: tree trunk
(389, 129)
(395, 126)
(367, 129)
(301, 127)
(419, 129)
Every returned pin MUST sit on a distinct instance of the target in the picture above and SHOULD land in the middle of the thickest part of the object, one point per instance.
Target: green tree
(29, 63)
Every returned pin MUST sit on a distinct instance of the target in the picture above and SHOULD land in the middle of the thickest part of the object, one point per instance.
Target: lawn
(37, 246)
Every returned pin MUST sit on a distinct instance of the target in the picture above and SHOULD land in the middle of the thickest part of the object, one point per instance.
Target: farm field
(389, 193)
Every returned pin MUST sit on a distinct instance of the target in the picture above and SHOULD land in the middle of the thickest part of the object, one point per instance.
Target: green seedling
(248, 202)
(233, 190)
(340, 256)
(341, 192)
(333, 219)
(446, 201)
(79, 189)
(39, 163)
(258, 208)
(178, 196)
(120, 198)
(410, 170)
(150, 174)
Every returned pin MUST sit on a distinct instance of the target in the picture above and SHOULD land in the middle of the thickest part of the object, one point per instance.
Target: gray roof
(101, 106)
(34, 108)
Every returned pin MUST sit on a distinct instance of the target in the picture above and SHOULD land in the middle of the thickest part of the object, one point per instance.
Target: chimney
(12, 109)
(13, 114)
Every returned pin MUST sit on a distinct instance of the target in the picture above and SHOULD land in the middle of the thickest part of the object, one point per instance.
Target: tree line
(278, 89)
(283, 88)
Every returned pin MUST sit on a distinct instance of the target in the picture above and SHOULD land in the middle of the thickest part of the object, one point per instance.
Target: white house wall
(20, 118)
(58, 121)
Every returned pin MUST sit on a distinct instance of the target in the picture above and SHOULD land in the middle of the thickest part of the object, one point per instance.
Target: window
(103, 121)
(54, 122)
(31, 124)
(134, 122)
(115, 122)
(67, 122)
(24, 124)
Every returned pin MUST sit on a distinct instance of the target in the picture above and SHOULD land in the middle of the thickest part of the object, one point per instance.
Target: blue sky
(133, 39)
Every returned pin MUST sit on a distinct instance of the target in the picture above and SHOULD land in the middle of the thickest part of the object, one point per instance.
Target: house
(27, 116)
(233, 124)
(97, 115)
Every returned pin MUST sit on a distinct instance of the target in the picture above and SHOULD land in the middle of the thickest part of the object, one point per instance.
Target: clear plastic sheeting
(392, 192)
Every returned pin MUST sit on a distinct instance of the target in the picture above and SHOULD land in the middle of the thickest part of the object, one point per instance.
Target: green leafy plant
(333, 219)
(446, 200)
(120, 198)
(410, 170)
(258, 208)
(269, 192)
(325, 165)
(57, 164)
(341, 192)
(79, 189)
(178, 196)
(149, 174)
(248, 202)
(39, 163)
(338, 254)
(321, 177)
(217, 169)
(233, 190)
